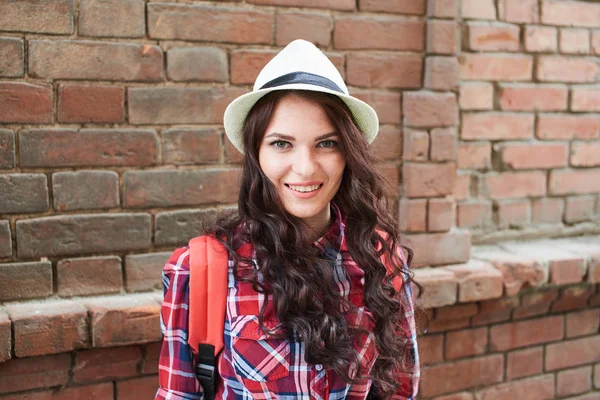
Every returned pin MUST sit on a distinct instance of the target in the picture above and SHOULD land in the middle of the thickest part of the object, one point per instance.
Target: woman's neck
(319, 224)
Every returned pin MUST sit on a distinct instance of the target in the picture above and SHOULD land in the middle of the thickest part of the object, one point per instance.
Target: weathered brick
(169, 188)
(414, 7)
(583, 323)
(441, 215)
(87, 103)
(388, 143)
(40, 16)
(152, 355)
(415, 145)
(384, 71)
(572, 353)
(101, 364)
(138, 388)
(34, 372)
(579, 209)
(570, 13)
(23, 193)
(477, 280)
(451, 247)
(86, 276)
(574, 181)
(497, 126)
(573, 298)
(247, 63)
(124, 320)
(516, 184)
(439, 287)
(23, 102)
(25, 280)
(311, 26)
(176, 228)
(585, 154)
(99, 391)
(585, 98)
(574, 41)
(442, 37)
(522, 363)
(466, 343)
(412, 215)
(497, 37)
(474, 214)
(85, 190)
(519, 11)
(445, 325)
(456, 311)
(112, 18)
(83, 234)
(378, 32)
(347, 5)
(386, 104)
(190, 146)
(428, 180)
(87, 147)
(49, 328)
(442, 8)
(69, 59)
(518, 156)
(520, 334)
(547, 210)
(539, 387)
(513, 213)
(476, 96)
(567, 69)
(541, 39)
(209, 23)
(203, 64)
(179, 105)
(5, 336)
(428, 110)
(143, 271)
(441, 73)
(7, 149)
(474, 155)
(431, 349)
(478, 9)
(466, 374)
(568, 126)
(533, 97)
(443, 144)
(595, 42)
(491, 67)
(12, 52)
(574, 381)
(5, 239)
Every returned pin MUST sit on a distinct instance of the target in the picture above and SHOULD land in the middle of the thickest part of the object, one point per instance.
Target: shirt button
(318, 367)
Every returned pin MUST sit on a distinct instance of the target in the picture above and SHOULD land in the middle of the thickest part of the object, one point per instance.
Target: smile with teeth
(304, 189)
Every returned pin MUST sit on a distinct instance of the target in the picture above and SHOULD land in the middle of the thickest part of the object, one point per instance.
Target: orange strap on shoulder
(397, 281)
(208, 292)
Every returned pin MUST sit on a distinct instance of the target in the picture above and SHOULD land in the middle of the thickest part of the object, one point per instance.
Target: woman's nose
(304, 163)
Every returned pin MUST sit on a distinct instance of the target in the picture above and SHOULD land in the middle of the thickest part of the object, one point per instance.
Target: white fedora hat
(299, 66)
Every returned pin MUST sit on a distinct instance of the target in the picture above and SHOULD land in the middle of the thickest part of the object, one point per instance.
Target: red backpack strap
(397, 281)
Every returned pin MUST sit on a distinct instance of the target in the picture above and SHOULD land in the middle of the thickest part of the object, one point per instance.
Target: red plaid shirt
(253, 365)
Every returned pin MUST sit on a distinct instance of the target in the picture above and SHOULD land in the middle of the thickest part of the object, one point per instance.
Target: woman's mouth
(304, 188)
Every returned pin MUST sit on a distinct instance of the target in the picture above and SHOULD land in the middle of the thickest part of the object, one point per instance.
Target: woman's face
(301, 155)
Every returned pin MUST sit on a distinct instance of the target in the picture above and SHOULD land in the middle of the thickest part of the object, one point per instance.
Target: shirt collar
(333, 240)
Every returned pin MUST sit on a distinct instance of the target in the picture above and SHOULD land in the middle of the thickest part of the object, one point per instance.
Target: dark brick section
(67, 59)
(203, 64)
(7, 149)
(34, 372)
(5, 239)
(87, 147)
(87, 103)
(5, 336)
(102, 364)
(176, 228)
(143, 271)
(12, 52)
(83, 234)
(22, 102)
(85, 190)
(20, 281)
(23, 193)
(41, 16)
(86, 276)
(112, 18)
(180, 105)
(183, 188)
(190, 146)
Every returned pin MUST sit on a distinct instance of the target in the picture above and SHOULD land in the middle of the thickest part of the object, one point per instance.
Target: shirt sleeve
(176, 362)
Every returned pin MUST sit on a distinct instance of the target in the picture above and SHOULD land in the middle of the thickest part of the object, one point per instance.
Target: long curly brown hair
(294, 273)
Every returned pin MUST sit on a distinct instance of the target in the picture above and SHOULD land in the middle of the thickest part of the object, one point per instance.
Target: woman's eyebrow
(291, 138)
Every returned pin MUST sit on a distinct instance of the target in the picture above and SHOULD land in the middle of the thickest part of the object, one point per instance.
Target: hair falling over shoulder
(290, 267)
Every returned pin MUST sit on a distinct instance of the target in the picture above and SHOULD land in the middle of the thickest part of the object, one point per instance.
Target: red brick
(585, 98)
(388, 143)
(478, 9)
(246, 64)
(143, 271)
(28, 280)
(544, 296)
(574, 41)
(5, 239)
(12, 53)
(442, 8)
(541, 39)
(441, 73)
(384, 71)
(462, 186)
(516, 184)
(440, 248)
(209, 23)
(522, 363)
(23, 193)
(513, 213)
(533, 97)
(48, 328)
(443, 144)
(567, 69)
(566, 13)
(442, 37)
(431, 349)
(40, 16)
(86, 103)
(5, 336)
(574, 181)
(474, 214)
(568, 127)
(104, 364)
(579, 209)
(124, 320)
(175, 228)
(415, 145)
(100, 391)
(203, 64)
(583, 323)
(440, 215)
(34, 372)
(412, 215)
(190, 146)
(526, 333)
(179, 105)
(497, 37)
(497, 126)
(474, 155)
(386, 104)
(329, 4)
(414, 7)
(573, 381)
(86, 276)
(547, 210)
(428, 180)
(573, 298)
(134, 389)
(439, 287)
(7, 150)
(545, 156)
(355, 32)
(597, 376)
(460, 375)
(477, 280)
(87, 147)
(429, 110)
(457, 396)
(567, 271)
(69, 59)
(445, 325)
(538, 388)
(456, 311)
(572, 353)
(585, 154)
(112, 18)
(152, 354)
(520, 11)
(491, 67)
(596, 42)
(25, 103)
(476, 96)
(85, 190)
(314, 27)
(465, 343)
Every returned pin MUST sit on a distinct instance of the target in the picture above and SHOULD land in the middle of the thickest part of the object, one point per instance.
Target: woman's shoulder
(179, 261)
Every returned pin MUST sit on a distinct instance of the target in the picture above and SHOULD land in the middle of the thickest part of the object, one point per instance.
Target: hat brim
(237, 111)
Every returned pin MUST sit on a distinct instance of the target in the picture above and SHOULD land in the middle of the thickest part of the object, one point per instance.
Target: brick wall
(112, 153)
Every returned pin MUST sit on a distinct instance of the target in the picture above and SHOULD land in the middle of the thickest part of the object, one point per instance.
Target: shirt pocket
(257, 356)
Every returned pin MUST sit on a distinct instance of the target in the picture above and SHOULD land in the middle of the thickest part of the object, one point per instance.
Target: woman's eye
(280, 144)
(328, 144)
